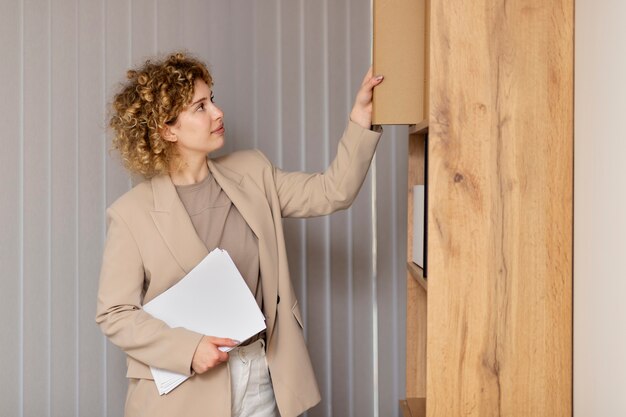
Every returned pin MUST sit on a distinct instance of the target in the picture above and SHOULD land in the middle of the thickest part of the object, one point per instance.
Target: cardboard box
(400, 54)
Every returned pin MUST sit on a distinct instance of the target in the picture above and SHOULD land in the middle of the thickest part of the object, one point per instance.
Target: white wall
(286, 72)
(600, 210)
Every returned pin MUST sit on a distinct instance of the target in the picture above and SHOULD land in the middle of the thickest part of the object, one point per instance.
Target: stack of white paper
(212, 299)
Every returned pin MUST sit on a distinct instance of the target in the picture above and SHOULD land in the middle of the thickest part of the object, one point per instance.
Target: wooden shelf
(413, 407)
(439, 363)
(418, 274)
(419, 129)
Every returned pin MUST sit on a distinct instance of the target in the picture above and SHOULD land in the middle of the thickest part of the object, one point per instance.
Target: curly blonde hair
(152, 97)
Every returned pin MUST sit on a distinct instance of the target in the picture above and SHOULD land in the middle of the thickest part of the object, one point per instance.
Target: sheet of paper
(418, 225)
(212, 299)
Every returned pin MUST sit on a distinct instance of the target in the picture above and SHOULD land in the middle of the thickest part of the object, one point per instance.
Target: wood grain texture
(416, 327)
(416, 317)
(500, 204)
(413, 407)
(418, 274)
(417, 406)
(404, 407)
(416, 164)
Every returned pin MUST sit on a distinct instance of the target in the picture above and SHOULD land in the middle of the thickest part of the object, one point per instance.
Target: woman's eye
(201, 106)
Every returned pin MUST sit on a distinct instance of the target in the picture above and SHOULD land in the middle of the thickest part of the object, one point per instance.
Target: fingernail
(236, 341)
(379, 77)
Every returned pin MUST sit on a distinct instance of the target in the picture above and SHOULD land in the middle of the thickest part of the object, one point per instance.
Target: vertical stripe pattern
(599, 207)
(286, 73)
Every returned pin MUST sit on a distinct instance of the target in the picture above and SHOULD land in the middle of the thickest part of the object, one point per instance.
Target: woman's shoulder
(134, 200)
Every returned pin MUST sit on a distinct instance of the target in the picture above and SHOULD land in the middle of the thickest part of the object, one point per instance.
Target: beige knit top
(220, 225)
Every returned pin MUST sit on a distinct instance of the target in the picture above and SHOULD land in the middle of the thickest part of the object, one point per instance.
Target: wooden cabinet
(417, 284)
(489, 331)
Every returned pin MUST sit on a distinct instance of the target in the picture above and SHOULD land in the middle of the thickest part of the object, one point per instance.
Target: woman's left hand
(362, 111)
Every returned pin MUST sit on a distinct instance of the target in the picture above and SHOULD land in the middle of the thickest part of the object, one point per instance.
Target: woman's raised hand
(207, 354)
(362, 110)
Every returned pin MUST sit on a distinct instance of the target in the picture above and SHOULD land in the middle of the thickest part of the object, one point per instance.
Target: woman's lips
(219, 131)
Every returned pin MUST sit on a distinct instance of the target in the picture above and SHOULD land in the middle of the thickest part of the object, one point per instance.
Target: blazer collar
(175, 226)
(252, 203)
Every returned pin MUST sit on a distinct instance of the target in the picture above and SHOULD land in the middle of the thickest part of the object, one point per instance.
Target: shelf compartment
(413, 407)
(420, 128)
(418, 274)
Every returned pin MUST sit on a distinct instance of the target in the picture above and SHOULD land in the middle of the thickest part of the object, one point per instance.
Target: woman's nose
(217, 113)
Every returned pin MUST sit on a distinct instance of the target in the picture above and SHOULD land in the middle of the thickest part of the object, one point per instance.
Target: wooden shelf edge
(418, 274)
(420, 128)
(404, 406)
(413, 407)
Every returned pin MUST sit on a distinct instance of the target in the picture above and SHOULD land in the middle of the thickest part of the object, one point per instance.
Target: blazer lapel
(254, 208)
(174, 224)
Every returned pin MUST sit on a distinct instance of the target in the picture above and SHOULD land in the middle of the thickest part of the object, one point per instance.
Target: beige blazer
(151, 244)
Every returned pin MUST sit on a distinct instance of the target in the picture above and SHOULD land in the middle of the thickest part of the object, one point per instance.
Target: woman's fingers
(362, 110)
(374, 81)
(370, 81)
(223, 341)
(365, 93)
(222, 356)
(208, 354)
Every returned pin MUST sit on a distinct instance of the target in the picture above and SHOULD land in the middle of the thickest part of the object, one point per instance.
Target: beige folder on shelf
(212, 299)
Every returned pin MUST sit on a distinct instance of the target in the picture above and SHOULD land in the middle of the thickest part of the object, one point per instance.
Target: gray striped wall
(599, 207)
(286, 72)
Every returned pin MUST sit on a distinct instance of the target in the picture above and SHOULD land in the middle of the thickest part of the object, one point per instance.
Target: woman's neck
(192, 172)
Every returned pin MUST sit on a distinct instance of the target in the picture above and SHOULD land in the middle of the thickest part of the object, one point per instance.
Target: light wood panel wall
(500, 209)
(286, 73)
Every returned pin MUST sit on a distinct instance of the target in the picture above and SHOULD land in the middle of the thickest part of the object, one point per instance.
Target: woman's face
(199, 128)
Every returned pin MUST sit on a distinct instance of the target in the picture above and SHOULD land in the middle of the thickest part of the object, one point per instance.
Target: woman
(165, 124)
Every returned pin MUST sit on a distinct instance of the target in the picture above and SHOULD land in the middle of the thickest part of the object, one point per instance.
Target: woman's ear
(168, 135)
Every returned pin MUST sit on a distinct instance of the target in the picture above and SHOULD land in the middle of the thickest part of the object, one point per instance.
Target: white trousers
(251, 387)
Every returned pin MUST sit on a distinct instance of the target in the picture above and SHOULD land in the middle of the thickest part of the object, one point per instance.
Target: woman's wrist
(362, 120)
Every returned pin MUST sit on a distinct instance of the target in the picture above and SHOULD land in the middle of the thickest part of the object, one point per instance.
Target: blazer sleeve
(119, 312)
(308, 195)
